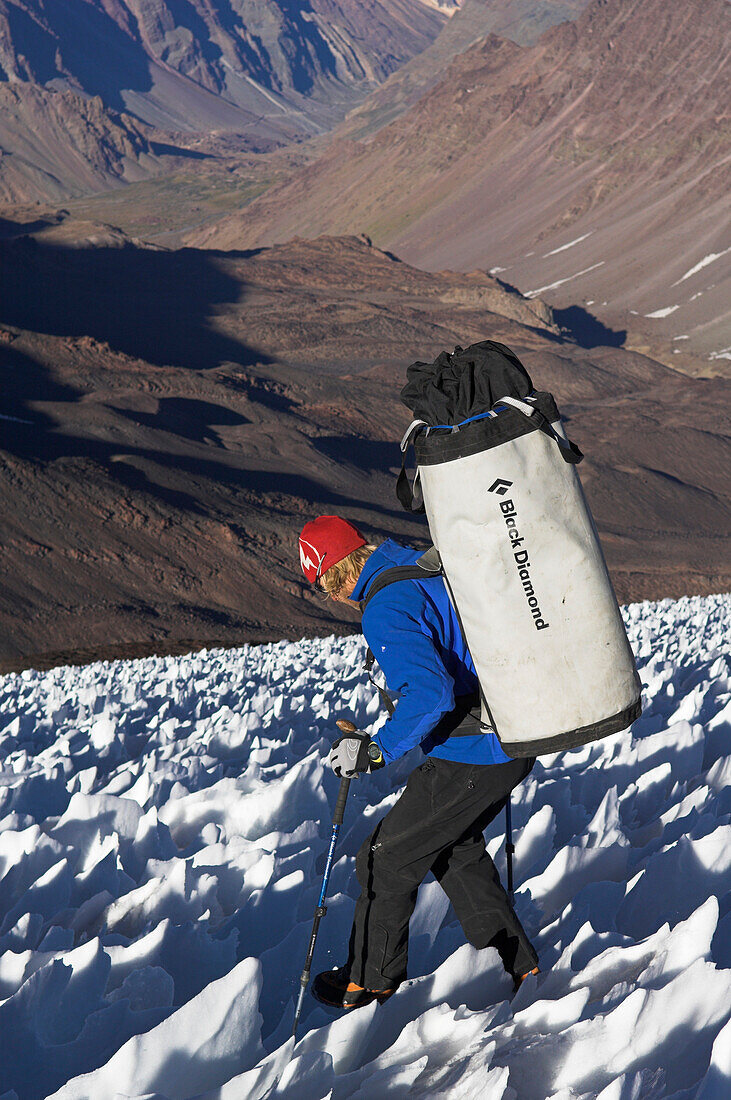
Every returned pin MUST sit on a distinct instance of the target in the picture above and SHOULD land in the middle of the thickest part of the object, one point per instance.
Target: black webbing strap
(485, 706)
(384, 696)
(431, 568)
(569, 451)
(394, 574)
(410, 496)
(464, 720)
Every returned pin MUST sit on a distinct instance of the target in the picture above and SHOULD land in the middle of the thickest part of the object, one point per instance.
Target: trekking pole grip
(340, 804)
(345, 726)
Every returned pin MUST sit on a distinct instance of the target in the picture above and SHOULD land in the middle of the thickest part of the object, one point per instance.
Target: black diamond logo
(500, 487)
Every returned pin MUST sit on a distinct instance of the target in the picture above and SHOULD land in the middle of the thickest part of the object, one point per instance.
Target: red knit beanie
(324, 542)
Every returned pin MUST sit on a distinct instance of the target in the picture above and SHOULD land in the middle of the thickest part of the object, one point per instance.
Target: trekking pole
(321, 910)
(509, 849)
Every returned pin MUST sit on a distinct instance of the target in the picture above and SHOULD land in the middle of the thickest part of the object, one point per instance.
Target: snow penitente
(190, 790)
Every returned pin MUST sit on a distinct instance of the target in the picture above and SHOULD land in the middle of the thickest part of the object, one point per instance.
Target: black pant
(437, 826)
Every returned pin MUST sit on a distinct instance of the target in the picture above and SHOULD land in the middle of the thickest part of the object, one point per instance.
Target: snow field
(163, 830)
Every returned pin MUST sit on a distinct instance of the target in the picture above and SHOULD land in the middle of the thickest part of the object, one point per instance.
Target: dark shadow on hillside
(152, 305)
(29, 433)
(100, 54)
(365, 454)
(577, 324)
(195, 482)
(22, 381)
(261, 390)
(588, 331)
(9, 229)
(185, 482)
(188, 418)
(161, 149)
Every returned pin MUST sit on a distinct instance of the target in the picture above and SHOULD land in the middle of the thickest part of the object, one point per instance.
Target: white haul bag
(527, 576)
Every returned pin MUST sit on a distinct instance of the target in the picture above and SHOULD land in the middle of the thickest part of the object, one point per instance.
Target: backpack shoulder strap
(385, 698)
(428, 565)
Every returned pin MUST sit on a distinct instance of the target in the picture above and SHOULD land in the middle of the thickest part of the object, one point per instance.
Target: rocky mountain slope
(592, 167)
(214, 63)
(54, 144)
(82, 81)
(171, 418)
(522, 21)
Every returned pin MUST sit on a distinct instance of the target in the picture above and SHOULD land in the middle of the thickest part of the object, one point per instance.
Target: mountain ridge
(612, 128)
(58, 143)
(520, 21)
(261, 74)
(259, 56)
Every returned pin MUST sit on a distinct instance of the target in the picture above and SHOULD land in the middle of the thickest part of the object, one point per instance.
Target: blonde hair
(334, 579)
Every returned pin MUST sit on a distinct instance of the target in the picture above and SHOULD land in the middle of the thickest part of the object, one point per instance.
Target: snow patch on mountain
(709, 259)
(560, 282)
(163, 828)
(563, 247)
(663, 312)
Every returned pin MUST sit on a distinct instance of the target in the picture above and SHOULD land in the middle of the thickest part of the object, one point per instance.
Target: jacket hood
(388, 554)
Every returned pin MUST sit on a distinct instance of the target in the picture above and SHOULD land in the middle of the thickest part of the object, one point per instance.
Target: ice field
(163, 829)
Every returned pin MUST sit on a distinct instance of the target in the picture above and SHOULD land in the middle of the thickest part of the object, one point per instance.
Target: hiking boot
(334, 988)
(518, 979)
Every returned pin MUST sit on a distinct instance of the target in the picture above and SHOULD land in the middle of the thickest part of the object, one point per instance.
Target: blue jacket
(416, 639)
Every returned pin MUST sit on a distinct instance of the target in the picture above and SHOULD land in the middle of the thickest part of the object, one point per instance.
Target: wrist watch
(374, 753)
